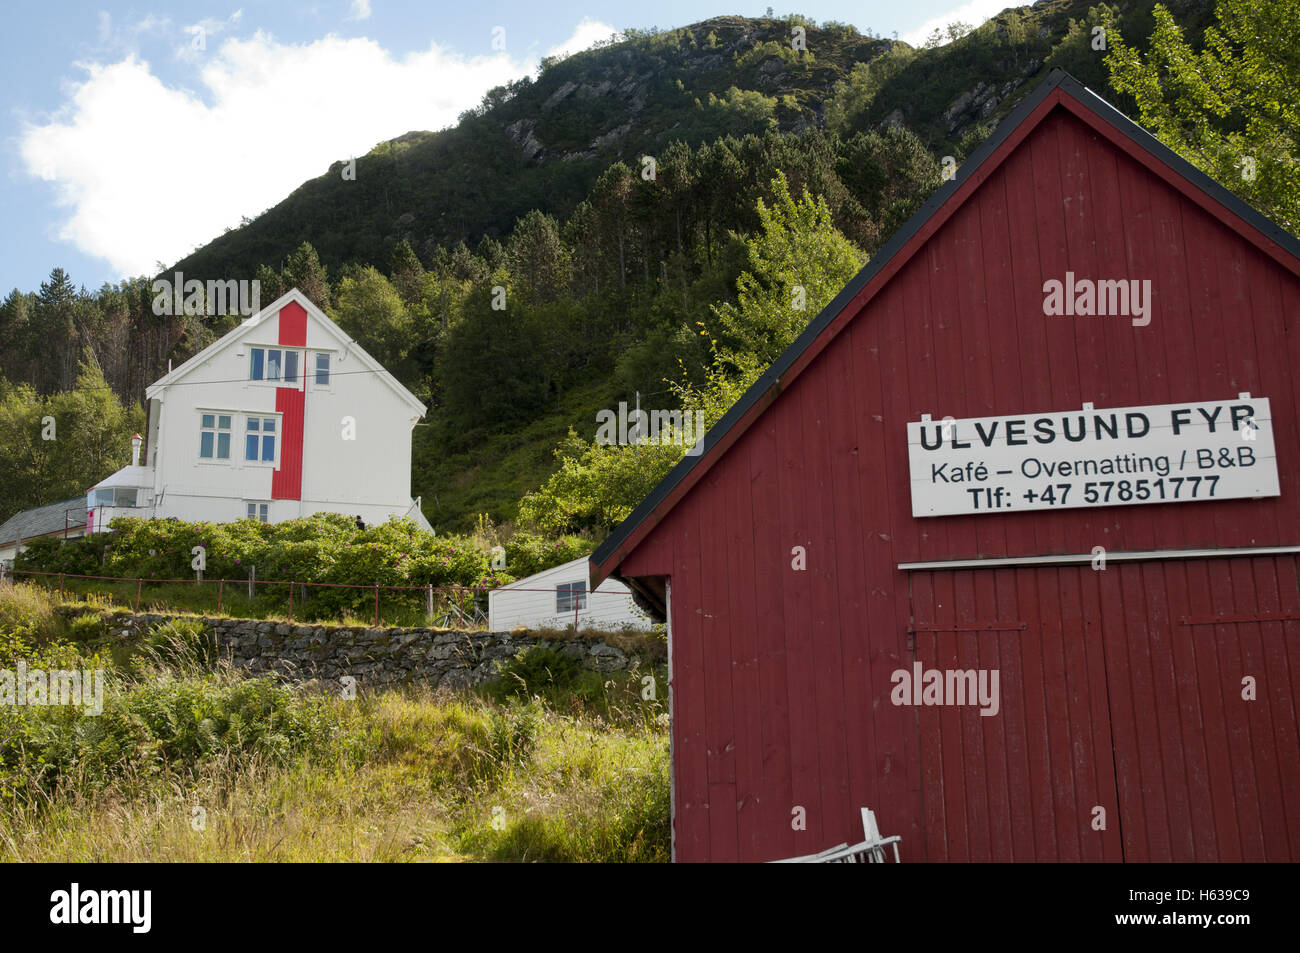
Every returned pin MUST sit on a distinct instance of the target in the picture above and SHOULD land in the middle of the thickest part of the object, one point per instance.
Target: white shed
(552, 598)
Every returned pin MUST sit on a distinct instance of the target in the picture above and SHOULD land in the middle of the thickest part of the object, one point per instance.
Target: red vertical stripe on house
(286, 482)
(293, 325)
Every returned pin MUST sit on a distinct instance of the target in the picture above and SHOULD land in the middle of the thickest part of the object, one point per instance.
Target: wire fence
(443, 606)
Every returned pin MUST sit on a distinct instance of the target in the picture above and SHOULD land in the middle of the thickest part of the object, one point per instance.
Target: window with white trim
(258, 511)
(259, 440)
(322, 369)
(214, 436)
(570, 596)
(272, 364)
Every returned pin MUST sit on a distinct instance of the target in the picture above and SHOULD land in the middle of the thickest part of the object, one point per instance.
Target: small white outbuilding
(557, 597)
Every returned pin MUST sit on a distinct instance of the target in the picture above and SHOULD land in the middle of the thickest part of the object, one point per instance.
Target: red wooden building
(1147, 651)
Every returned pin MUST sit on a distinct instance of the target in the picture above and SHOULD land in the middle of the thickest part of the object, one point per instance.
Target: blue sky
(132, 133)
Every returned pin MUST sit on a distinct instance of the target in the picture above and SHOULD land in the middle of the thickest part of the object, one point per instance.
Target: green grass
(191, 761)
(200, 598)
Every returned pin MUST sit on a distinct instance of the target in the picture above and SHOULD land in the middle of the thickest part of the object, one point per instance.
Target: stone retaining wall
(388, 656)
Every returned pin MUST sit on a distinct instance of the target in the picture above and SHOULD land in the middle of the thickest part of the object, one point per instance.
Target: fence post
(252, 576)
(139, 583)
(60, 585)
(221, 584)
(290, 602)
(428, 602)
(376, 604)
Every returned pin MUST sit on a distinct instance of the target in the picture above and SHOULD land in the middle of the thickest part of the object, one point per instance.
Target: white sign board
(1165, 453)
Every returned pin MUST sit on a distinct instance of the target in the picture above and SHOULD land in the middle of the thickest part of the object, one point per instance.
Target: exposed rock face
(981, 101)
(520, 133)
(384, 656)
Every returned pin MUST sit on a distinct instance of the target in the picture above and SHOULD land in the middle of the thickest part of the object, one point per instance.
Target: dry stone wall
(390, 656)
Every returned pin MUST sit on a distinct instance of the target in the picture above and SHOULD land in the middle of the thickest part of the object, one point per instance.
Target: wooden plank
(1228, 576)
(1061, 367)
(1283, 658)
(1190, 718)
(1011, 721)
(1077, 700)
(1272, 739)
(1167, 713)
(690, 751)
(772, 564)
(842, 820)
(1213, 725)
(853, 686)
(1128, 819)
(742, 591)
(798, 609)
(1109, 845)
(716, 625)
(945, 649)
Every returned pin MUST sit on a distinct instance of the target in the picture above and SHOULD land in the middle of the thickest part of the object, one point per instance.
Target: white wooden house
(283, 417)
(559, 596)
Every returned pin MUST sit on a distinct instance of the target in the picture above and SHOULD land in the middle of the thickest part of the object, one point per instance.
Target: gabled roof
(127, 477)
(249, 325)
(1058, 91)
(42, 520)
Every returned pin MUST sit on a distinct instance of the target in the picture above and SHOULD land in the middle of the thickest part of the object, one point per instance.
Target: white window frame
(261, 510)
(215, 460)
(264, 381)
(279, 442)
(333, 369)
(567, 593)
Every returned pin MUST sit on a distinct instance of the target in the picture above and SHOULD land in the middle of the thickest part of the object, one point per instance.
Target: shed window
(257, 511)
(322, 369)
(570, 596)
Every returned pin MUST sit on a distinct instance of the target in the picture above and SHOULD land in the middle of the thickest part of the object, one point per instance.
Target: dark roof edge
(772, 376)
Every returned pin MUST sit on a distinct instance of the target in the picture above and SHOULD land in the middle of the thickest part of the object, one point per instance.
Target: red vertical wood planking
(1121, 691)
(806, 780)
(690, 753)
(773, 560)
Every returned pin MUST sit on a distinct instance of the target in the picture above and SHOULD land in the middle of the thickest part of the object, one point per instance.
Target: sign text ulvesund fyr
(1118, 456)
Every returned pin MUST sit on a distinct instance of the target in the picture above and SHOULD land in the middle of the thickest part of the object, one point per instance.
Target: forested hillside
(577, 239)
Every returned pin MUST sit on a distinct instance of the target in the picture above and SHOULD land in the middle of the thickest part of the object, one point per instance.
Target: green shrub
(160, 725)
(535, 671)
(529, 553)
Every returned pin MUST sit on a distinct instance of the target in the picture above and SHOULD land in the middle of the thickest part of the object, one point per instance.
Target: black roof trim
(771, 378)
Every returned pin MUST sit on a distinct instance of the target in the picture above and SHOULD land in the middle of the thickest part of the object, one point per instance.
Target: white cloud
(270, 117)
(975, 12)
(360, 10)
(586, 33)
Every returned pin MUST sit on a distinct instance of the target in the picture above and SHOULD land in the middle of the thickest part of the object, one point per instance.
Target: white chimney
(135, 450)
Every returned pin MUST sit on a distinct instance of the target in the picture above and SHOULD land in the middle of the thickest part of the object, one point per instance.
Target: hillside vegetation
(190, 761)
(577, 239)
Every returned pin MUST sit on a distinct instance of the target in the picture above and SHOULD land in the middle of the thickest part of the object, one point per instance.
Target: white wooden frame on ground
(869, 851)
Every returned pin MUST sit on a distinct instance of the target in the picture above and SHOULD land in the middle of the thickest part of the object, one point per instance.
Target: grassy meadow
(192, 761)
